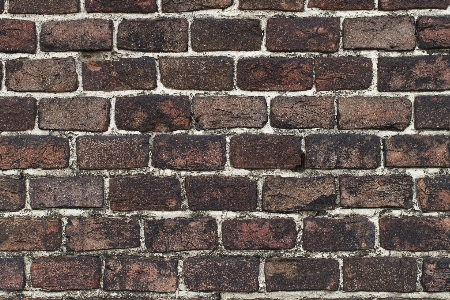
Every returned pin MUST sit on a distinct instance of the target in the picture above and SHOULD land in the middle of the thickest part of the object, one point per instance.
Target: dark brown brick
(17, 36)
(12, 194)
(159, 35)
(431, 112)
(298, 274)
(259, 234)
(189, 152)
(411, 4)
(125, 6)
(284, 194)
(173, 6)
(197, 73)
(273, 74)
(41, 75)
(232, 274)
(302, 112)
(433, 193)
(168, 235)
(221, 193)
(436, 274)
(343, 73)
(43, 6)
(30, 151)
(342, 4)
(303, 34)
(12, 274)
(343, 151)
(140, 274)
(17, 114)
(291, 5)
(153, 113)
(112, 152)
(433, 32)
(66, 273)
(376, 191)
(83, 114)
(145, 193)
(417, 151)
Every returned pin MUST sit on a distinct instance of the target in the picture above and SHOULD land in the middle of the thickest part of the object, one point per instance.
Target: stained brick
(342, 4)
(291, 5)
(17, 114)
(43, 6)
(12, 274)
(433, 193)
(436, 274)
(126, 6)
(431, 112)
(12, 194)
(433, 32)
(173, 6)
(17, 36)
(411, 4)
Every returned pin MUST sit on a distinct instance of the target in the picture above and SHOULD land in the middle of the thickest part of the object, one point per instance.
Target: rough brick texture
(127, 6)
(433, 193)
(12, 274)
(12, 194)
(173, 6)
(430, 112)
(18, 36)
(411, 4)
(17, 114)
(43, 6)
(342, 4)
(436, 274)
(291, 5)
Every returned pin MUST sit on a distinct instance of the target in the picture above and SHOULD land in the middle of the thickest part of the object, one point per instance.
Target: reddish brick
(380, 274)
(173, 6)
(303, 34)
(189, 152)
(343, 151)
(144, 193)
(376, 191)
(66, 273)
(83, 114)
(158, 35)
(232, 274)
(291, 5)
(259, 234)
(298, 274)
(272, 74)
(112, 152)
(342, 4)
(436, 274)
(126, 6)
(18, 234)
(12, 274)
(302, 112)
(221, 193)
(153, 113)
(169, 235)
(411, 4)
(12, 194)
(41, 75)
(17, 114)
(434, 193)
(29, 151)
(433, 32)
(140, 274)
(197, 73)
(431, 112)
(17, 36)
(43, 6)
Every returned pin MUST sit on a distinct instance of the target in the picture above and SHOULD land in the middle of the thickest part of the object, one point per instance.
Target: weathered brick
(17, 114)
(197, 73)
(221, 193)
(43, 6)
(436, 274)
(376, 191)
(189, 152)
(411, 4)
(12, 194)
(433, 32)
(41, 75)
(342, 4)
(174, 6)
(126, 6)
(433, 193)
(232, 274)
(84, 114)
(140, 274)
(291, 5)
(66, 273)
(12, 274)
(153, 113)
(343, 151)
(112, 152)
(30, 151)
(431, 112)
(158, 35)
(303, 34)
(17, 36)
(298, 274)
(273, 74)
(168, 235)
(144, 193)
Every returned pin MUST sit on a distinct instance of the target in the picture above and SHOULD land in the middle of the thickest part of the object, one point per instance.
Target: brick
(433, 193)
(343, 151)
(43, 6)
(411, 4)
(343, 73)
(12, 194)
(82, 114)
(216, 112)
(12, 274)
(112, 152)
(299, 274)
(169, 235)
(433, 32)
(342, 4)
(303, 34)
(275, 74)
(231, 274)
(292, 5)
(302, 112)
(19, 234)
(285, 194)
(376, 191)
(66, 273)
(144, 193)
(153, 113)
(349, 234)
(431, 112)
(125, 6)
(17, 114)
(197, 73)
(226, 35)
(30, 151)
(417, 151)
(41, 75)
(158, 35)
(380, 33)
(259, 234)
(380, 274)
(249, 151)
(17, 36)
(436, 274)
(221, 193)
(418, 73)
(140, 274)
(383, 113)
(189, 152)
(174, 6)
